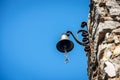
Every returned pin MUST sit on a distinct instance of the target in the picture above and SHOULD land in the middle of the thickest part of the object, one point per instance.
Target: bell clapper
(66, 55)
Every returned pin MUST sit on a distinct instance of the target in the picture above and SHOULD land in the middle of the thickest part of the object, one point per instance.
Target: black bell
(64, 44)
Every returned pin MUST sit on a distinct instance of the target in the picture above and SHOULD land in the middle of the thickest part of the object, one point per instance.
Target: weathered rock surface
(104, 36)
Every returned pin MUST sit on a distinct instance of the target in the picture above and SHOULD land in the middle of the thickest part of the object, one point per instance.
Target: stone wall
(104, 36)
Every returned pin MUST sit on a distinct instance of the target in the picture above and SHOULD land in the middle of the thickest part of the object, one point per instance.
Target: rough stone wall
(104, 36)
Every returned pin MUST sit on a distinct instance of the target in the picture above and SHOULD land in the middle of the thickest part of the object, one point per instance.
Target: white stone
(116, 40)
(111, 3)
(110, 69)
(116, 30)
(114, 7)
(107, 35)
(115, 11)
(117, 50)
(96, 1)
(108, 54)
(108, 25)
(118, 18)
(100, 11)
(101, 47)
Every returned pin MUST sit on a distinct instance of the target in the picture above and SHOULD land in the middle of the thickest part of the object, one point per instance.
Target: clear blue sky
(29, 31)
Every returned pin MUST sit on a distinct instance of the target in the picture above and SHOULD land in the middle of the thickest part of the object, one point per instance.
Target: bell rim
(68, 49)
